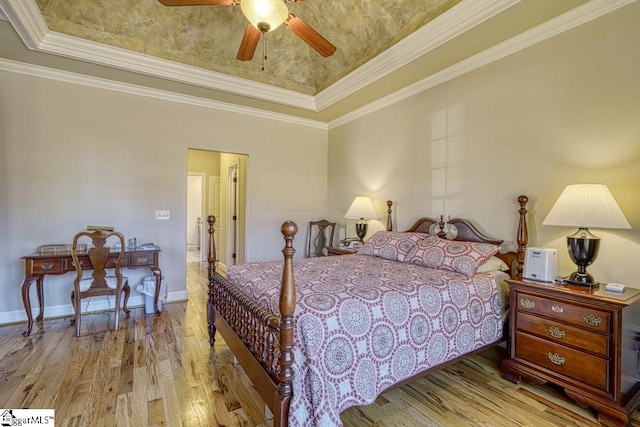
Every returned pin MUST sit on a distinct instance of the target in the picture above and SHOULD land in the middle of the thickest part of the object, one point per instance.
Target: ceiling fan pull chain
(264, 51)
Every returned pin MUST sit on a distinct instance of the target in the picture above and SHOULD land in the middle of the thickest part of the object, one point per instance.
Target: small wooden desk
(38, 265)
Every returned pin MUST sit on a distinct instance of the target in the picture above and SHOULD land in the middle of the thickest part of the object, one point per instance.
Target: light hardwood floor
(162, 371)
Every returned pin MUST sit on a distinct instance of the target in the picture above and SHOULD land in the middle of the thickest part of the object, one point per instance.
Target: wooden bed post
(211, 271)
(287, 324)
(523, 235)
(389, 219)
(441, 224)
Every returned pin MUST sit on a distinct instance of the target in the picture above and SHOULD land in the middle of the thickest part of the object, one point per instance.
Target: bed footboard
(261, 341)
(255, 327)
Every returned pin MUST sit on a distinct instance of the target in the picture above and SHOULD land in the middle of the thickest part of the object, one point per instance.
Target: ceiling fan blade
(309, 35)
(249, 43)
(197, 2)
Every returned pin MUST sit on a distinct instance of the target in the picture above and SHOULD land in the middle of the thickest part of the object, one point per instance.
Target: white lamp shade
(362, 207)
(270, 12)
(586, 206)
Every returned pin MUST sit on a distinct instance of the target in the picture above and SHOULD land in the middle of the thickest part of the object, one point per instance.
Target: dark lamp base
(583, 249)
(579, 279)
(361, 230)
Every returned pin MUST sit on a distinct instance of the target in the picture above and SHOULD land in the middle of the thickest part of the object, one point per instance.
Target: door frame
(214, 209)
(233, 170)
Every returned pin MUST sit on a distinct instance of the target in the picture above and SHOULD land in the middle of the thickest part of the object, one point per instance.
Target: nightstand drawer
(588, 369)
(574, 314)
(564, 334)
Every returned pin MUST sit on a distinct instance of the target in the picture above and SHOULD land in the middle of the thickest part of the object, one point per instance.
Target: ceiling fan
(265, 16)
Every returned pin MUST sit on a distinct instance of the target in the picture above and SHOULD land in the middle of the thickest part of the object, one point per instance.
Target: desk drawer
(83, 260)
(111, 263)
(85, 263)
(564, 334)
(140, 260)
(47, 266)
(565, 312)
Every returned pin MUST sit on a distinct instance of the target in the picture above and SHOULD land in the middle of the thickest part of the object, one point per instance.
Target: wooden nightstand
(331, 251)
(587, 342)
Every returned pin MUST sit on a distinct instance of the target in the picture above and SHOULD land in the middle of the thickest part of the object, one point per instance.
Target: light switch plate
(163, 214)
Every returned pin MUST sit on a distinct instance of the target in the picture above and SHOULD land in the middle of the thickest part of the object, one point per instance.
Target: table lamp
(585, 206)
(362, 209)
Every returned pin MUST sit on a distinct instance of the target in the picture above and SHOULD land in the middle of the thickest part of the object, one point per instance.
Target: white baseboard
(177, 296)
(88, 305)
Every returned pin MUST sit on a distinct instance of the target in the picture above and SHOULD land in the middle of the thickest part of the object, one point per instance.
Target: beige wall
(74, 155)
(564, 111)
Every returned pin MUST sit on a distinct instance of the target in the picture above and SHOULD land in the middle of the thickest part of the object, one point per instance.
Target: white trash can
(148, 288)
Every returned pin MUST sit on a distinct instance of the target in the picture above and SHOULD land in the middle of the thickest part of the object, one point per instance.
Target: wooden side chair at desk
(320, 235)
(100, 257)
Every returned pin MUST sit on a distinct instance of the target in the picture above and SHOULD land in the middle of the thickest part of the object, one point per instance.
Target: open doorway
(216, 185)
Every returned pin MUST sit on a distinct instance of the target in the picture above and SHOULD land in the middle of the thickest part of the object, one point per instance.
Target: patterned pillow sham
(459, 257)
(391, 245)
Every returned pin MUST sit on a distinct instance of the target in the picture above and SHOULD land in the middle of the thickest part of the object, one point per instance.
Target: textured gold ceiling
(209, 36)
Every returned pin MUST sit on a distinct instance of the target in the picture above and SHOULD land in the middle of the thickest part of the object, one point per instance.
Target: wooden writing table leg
(158, 275)
(27, 303)
(40, 288)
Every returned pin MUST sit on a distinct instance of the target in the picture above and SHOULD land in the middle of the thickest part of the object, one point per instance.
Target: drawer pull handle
(557, 309)
(527, 303)
(79, 262)
(556, 359)
(556, 332)
(592, 320)
(142, 259)
(47, 266)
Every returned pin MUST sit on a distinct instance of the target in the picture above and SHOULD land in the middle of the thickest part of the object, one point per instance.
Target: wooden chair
(320, 236)
(98, 261)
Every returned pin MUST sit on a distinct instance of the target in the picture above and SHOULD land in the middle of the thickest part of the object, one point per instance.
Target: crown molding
(456, 21)
(25, 16)
(560, 24)
(95, 82)
(26, 19)
(73, 47)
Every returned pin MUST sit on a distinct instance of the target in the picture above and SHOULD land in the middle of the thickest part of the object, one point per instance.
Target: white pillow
(493, 264)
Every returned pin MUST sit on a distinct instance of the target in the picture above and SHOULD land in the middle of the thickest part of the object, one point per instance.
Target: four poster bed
(351, 327)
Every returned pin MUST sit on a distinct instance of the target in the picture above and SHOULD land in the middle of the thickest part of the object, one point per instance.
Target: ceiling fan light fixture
(265, 15)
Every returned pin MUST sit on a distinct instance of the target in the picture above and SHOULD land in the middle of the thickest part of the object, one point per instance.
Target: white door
(195, 215)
